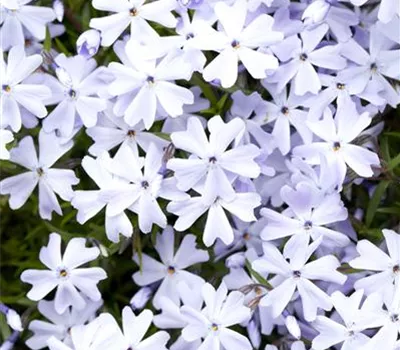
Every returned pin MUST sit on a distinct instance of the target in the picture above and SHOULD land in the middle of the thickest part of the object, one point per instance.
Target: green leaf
(374, 202)
(47, 41)
(394, 162)
(260, 279)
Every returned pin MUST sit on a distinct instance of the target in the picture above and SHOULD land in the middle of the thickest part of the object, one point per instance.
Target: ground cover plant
(200, 174)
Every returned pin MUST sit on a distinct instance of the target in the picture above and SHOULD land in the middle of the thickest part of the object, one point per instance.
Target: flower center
(394, 318)
(131, 133)
(6, 88)
(145, 184)
(303, 57)
(171, 270)
(63, 273)
(373, 67)
(296, 274)
(150, 80)
(340, 86)
(40, 171)
(285, 111)
(214, 327)
(396, 268)
(189, 36)
(246, 236)
(212, 159)
(235, 44)
(308, 225)
(336, 146)
(133, 12)
(72, 93)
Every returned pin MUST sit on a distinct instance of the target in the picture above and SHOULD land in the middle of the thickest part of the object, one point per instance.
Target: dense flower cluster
(225, 130)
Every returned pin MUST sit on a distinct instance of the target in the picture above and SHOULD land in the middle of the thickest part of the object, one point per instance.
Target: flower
(75, 95)
(217, 224)
(237, 42)
(60, 324)
(18, 15)
(222, 310)
(372, 258)
(142, 187)
(41, 173)
(350, 333)
(211, 166)
(64, 274)
(16, 93)
(89, 203)
(301, 55)
(309, 211)
(135, 327)
(296, 274)
(171, 270)
(132, 13)
(336, 144)
(101, 333)
(150, 85)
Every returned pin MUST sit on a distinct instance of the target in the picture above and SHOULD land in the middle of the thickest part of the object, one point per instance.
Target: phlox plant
(200, 174)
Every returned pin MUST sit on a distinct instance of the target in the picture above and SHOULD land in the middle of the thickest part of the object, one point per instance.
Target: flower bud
(88, 43)
(315, 12)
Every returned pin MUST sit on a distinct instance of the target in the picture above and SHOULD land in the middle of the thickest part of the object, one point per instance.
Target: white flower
(222, 310)
(372, 258)
(336, 143)
(171, 270)
(132, 13)
(350, 333)
(217, 224)
(150, 85)
(89, 203)
(59, 325)
(237, 42)
(18, 15)
(135, 327)
(50, 180)
(211, 165)
(15, 93)
(102, 333)
(297, 274)
(310, 210)
(112, 131)
(143, 187)
(65, 275)
(75, 94)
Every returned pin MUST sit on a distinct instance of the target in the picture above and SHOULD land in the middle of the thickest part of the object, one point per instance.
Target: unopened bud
(88, 43)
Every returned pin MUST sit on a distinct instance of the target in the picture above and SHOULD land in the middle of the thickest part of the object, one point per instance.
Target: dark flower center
(308, 225)
(336, 146)
(235, 44)
(171, 270)
(212, 159)
(340, 86)
(131, 133)
(133, 12)
(297, 274)
(303, 57)
(285, 111)
(145, 184)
